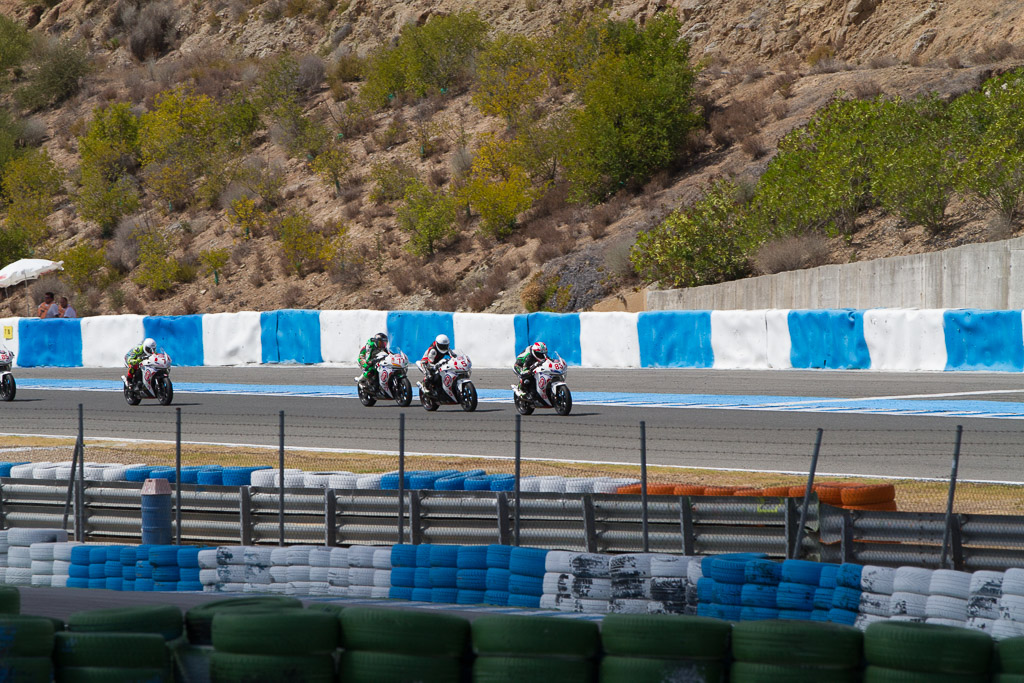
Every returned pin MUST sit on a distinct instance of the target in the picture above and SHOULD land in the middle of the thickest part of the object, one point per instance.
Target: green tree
(637, 109)
(304, 247)
(499, 186)
(15, 42)
(702, 245)
(82, 265)
(428, 215)
(110, 151)
(157, 270)
(56, 75)
(213, 261)
(29, 185)
(510, 76)
(575, 45)
(332, 165)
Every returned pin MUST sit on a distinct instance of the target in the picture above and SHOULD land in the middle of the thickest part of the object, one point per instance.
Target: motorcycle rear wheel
(429, 404)
(524, 407)
(131, 397)
(8, 388)
(365, 398)
(563, 400)
(468, 396)
(403, 392)
(165, 390)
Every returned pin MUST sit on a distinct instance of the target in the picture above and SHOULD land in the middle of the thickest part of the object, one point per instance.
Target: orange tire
(797, 491)
(719, 490)
(831, 493)
(661, 489)
(869, 494)
(888, 506)
(781, 491)
(631, 488)
(748, 491)
(688, 490)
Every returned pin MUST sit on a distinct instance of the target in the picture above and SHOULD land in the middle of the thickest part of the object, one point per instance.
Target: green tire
(121, 650)
(1008, 678)
(283, 632)
(328, 607)
(404, 632)
(388, 667)
(1010, 655)
(199, 620)
(26, 669)
(755, 672)
(10, 600)
(879, 674)
(524, 669)
(665, 635)
(645, 670)
(515, 635)
(163, 619)
(927, 648)
(798, 643)
(24, 636)
(226, 667)
(113, 674)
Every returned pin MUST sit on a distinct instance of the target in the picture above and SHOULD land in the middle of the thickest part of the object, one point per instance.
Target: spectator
(65, 310)
(48, 308)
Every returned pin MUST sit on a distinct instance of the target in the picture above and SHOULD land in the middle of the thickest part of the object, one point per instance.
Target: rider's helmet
(540, 350)
(149, 346)
(381, 340)
(442, 342)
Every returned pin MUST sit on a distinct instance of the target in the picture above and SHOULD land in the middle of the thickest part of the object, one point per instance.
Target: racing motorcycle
(392, 381)
(152, 381)
(452, 378)
(8, 387)
(549, 389)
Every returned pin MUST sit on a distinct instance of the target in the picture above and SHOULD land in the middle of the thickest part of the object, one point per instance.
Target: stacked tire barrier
(910, 594)
(526, 577)
(653, 649)
(577, 582)
(947, 599)
(19, 554)
(1011, 606)
(512, 649)
(496, 580)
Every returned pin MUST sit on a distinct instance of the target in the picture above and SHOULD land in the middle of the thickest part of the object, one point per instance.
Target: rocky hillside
(765, 68)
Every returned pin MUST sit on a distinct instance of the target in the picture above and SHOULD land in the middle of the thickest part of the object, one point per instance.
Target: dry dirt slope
(892, 46)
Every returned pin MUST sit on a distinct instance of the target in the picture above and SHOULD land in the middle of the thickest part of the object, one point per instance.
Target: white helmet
(442, 342)
(148, 345)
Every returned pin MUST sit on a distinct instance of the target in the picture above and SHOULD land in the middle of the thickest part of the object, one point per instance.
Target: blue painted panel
(268, 336)
(832, 339)
(181, 336)
(54, 343)
(522, 327)
(675, 339)
(560, 331)
(983, 340)
(298, 336)
(414, 331)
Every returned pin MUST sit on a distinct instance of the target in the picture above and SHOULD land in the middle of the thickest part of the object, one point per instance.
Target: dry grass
(791, 253)
(993, 52)
(866, 89)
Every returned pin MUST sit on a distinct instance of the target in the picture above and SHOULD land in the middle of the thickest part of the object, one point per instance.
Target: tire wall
(876, 339)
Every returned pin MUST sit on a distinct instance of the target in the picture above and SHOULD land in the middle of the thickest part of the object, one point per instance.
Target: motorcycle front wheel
(365, 398)
(8, 388)
(130, 396)
(164, 390)
(403, 392)
(524, 407)
(563, 400)
(429, 404)
(468, 396)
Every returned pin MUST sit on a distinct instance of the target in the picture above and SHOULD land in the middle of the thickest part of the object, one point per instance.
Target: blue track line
(804, 404)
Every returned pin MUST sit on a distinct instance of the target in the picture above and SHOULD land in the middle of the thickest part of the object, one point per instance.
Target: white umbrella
(26, 269)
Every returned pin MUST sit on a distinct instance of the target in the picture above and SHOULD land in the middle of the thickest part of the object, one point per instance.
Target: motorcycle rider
(532, 356)
(435, 353)
(138, 354)
(374, 346)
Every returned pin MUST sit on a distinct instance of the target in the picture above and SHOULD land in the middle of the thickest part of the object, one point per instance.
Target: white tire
(987, 583)
(231, 573)
(338, 591)
(631, 565)
(339, 558)
(317, 480)
(42, 568)
(319, 588)
(908, 605)
(257, 556)
(62, 551)
(877, 579)
(231, 554)
(297, 588)
(361, 556)
(18, 556)
(382, 578)
(591, 606)
(670, 565)
(232, 587)
(39, 580)
(907, 618)
(360, 576)
(208, 577)
(18, 576)
(549, 602)
(912, 580)
(983, 606)
(579, 485)
(116, 473)
(279, 557)
(950, 583)
(26, 537)
(1013, 582)
(298, 555)
(320, 557)
(370, 482)
(551, 484)
(946, 622)
(298, 573)
(981, 624)
(319, 574)
(24, 471)
(945, 607)
(864, 620)
(338, 576)
(258, 575)
(59, 580)
(279, 574)
(363, 592)
(207, 558)
(60, 567)
(41, 552)
(343, 481)
(875, 604)
(264, 478)
(1004, 628)
(628, 606)
(530, 484)
(694, 572)
(1012, 607)
(557, 562)
(382, 558)
(380, 592)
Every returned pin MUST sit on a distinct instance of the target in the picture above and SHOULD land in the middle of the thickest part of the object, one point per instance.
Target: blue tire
(795, 596)
(758, 613)
(498, 556)
(471, 580)
(763, 572)
(496, 597)
(527, 561)
(842, 616)
(403, 577)
(828, 576)
(801, 571)
(846, 598)
(472, 557)
(848, 575)
(526, 585)
(497, 580)
(403, 555)
(400, 592)
(728, 593)
(756, 595)
(443, 577)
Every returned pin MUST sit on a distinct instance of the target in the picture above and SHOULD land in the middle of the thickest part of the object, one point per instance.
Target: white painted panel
(489, 339)
(739, 339)
(343, 333)
(905, 339)
(107, 338)
(12, 343)
(609, 340)
(779, 343)
(232, 338)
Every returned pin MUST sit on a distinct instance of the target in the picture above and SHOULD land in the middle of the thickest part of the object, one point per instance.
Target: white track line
(314, 449)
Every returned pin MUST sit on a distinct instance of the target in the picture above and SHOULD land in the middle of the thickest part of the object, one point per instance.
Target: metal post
(807, 497)
(80, 515)
(71, 489)
(643, 483)
(518, 499)
(177, 476)
(280, 470)
(952, 493)
(401, 477)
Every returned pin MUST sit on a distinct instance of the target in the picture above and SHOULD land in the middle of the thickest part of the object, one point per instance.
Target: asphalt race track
(871, 421)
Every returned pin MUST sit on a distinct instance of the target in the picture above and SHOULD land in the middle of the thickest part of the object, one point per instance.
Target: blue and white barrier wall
(875, 339)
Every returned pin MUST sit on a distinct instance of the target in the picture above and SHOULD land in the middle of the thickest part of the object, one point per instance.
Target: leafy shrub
(332, 165)
(247, 217)
(11, 131)
(391, 180)
(213, 261)
(345, 69)
(302, 245)
(576, 44)
(82, 265)
(791, 253)
(157, 270)
(433, 58)
(15, 43)
(110, 152)
(428, 216)
(702, 245)
(499, 187)
(56, 75)
(29, 184)
(105, 202)
(510, 76)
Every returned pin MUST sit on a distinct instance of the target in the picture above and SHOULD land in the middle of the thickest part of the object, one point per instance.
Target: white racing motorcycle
(549, 389)
(152, 381)
(392, 380)
(8, 387)
(454, 383)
